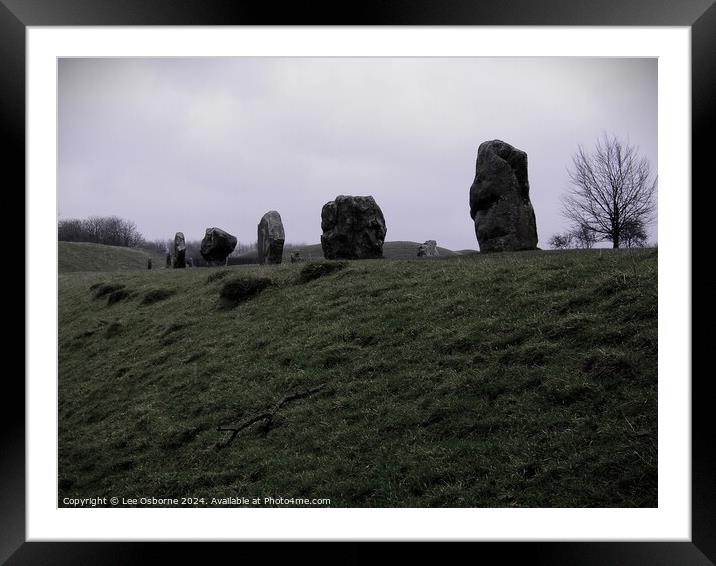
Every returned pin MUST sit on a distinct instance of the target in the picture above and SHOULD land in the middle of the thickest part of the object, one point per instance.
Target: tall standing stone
(217, 245)
(353, 228)
(179, 252)
(271, 238)
(500, 199)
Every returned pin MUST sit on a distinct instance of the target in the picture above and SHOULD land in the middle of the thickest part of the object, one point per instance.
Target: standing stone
(178, 260)
(428, 249)
(500, 199)
(149, 263)
(353, 228)
(217, 245)
(169, 260)
(270, 238)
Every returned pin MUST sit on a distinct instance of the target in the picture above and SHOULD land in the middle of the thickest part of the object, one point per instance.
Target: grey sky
(184, 144)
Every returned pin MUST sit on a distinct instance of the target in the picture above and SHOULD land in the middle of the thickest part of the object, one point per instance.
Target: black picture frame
(16, 15)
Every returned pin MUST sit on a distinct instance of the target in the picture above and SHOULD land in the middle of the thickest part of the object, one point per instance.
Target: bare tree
(634, 234)
(561, 241)
(583, 237)
(612, 188)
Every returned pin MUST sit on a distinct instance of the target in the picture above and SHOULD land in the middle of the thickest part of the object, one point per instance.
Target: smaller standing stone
(296, 257)
(271, 238)
(149, 263)
(428, 248)
(169, 260)
(178, 257)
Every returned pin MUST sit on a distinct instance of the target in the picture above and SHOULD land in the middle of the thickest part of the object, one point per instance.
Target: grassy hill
(84, 256)
(497, 380)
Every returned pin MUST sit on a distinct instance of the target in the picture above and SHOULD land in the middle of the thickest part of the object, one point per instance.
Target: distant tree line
(108, 230)
(633, 235)
(247, 254)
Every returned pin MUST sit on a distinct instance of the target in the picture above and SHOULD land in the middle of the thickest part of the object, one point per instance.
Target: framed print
(264, 301)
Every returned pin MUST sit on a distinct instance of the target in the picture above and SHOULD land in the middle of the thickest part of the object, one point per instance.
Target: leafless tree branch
(265, 417)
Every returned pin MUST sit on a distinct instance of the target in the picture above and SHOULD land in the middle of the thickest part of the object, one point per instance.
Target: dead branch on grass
(267, 417)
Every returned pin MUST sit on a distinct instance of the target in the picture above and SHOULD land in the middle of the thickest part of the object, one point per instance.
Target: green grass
(83, 256)
(488, 380)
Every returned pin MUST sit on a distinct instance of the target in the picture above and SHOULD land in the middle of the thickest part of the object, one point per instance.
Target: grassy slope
(83, 256)
(524, 379)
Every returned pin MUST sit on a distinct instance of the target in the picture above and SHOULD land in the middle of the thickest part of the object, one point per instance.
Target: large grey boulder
(428, 248)
(179, 251)
(271, 238)
(353, 228)
(500, 199)
(217, 245)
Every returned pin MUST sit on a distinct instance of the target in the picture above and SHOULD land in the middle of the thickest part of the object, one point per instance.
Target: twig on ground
(266, 417)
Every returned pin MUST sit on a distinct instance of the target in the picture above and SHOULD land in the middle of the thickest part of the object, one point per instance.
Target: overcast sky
(185, 144)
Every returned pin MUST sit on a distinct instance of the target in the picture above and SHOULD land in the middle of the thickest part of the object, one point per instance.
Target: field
(82, 256)
(483, 380)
